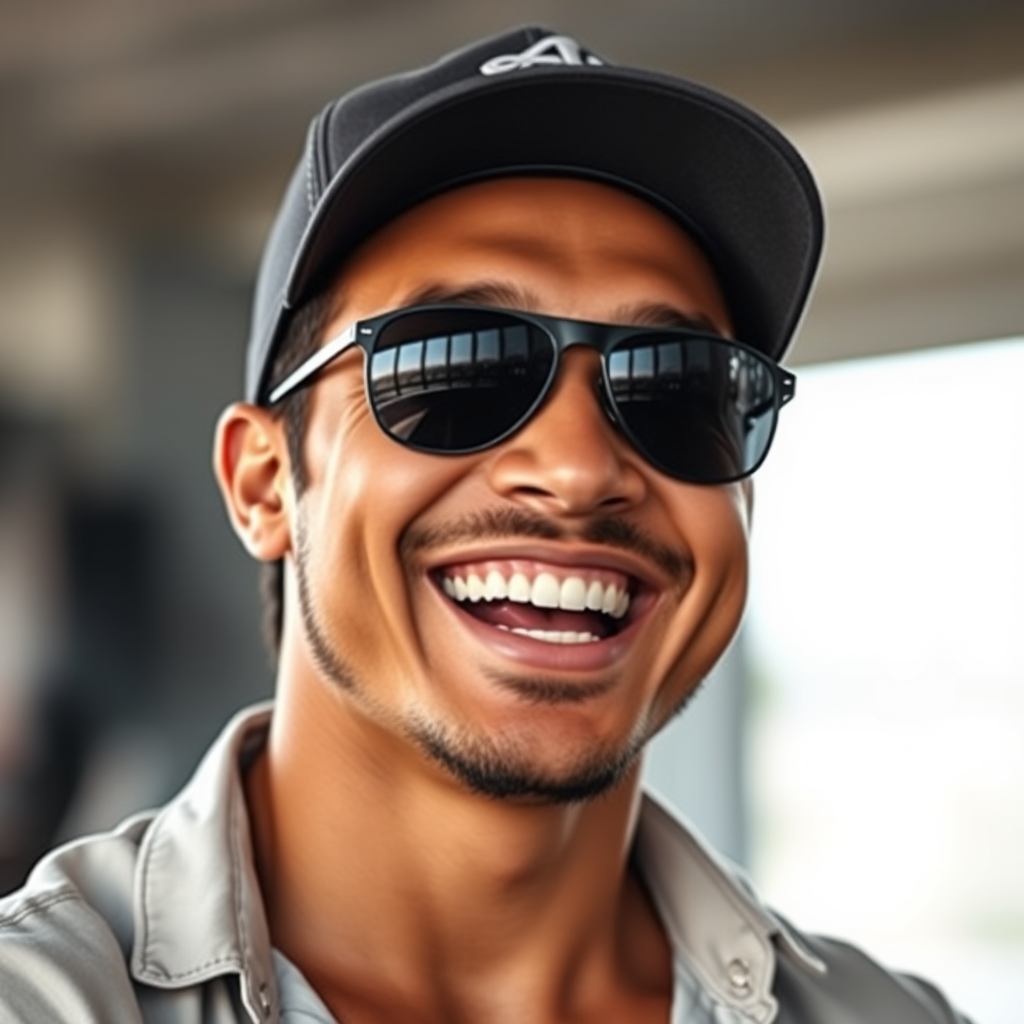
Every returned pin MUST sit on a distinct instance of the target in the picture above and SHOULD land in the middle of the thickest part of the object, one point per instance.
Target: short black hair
(301, 339)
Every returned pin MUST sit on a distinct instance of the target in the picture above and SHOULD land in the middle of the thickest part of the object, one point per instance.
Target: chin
(511, 769)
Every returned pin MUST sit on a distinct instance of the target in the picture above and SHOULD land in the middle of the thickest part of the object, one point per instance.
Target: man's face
(392, 547)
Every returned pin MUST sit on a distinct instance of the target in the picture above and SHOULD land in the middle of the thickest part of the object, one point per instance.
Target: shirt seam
(153, 972)
(37, 904)
(238, 895)
(145, 856)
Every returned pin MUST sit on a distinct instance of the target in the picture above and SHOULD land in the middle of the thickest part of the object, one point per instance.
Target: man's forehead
(510, 295)
(526, 242)
(506, 203)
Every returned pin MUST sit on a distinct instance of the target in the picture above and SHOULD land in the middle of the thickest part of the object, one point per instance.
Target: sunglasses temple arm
(319, 359)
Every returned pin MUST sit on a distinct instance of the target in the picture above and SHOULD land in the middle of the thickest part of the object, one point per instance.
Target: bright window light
(886, 642)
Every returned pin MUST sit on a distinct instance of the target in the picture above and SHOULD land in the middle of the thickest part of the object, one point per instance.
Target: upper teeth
(573, 593)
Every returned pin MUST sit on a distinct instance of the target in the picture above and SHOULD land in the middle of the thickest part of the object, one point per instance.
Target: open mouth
(553, 604)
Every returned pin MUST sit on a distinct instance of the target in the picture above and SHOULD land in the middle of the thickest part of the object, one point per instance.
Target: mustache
(516, 523)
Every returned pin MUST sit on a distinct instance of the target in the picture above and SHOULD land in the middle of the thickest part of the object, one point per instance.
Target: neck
(395, 889)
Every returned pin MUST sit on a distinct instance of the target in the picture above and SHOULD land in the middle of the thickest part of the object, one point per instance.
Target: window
(885, 646)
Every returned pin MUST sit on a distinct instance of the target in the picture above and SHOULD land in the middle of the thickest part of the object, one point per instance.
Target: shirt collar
(198, 908)
(199, 912)
(715, 922)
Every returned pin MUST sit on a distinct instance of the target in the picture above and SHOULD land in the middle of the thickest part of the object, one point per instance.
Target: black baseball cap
(531, 102)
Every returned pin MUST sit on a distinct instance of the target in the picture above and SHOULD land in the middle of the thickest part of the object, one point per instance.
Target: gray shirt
(161, 921)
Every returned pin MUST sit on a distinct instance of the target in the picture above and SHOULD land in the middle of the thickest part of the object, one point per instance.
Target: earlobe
(250, 461)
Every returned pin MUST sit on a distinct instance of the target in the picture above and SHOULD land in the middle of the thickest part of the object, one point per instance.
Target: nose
(569, 459)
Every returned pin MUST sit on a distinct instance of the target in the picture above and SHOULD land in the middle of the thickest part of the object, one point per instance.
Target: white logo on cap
(550, 50)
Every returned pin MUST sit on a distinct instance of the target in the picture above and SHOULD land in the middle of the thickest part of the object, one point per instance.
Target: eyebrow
(661, 314)
(507, 295)
(503, 294)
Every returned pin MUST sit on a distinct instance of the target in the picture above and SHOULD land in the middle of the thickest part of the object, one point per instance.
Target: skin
(400, 892)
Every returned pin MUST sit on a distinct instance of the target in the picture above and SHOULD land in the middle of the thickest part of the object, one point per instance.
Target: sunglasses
(450, 380)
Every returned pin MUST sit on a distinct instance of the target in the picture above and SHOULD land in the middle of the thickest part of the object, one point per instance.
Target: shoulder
(854, 989)
(66, 936)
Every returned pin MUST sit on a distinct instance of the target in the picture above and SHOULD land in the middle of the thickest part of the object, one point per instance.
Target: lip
(538, 654)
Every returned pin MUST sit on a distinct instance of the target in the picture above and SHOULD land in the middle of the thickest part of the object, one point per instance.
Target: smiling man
(513, 361)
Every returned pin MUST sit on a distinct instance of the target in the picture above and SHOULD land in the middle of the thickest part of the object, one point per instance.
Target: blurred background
(862, 749)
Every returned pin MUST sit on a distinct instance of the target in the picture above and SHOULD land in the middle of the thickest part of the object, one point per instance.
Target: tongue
(525, 616)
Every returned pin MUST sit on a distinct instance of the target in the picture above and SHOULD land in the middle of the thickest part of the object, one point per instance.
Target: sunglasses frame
(563, 333)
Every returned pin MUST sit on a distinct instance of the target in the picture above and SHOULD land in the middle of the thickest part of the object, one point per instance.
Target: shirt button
(738, 973)
(264, 994)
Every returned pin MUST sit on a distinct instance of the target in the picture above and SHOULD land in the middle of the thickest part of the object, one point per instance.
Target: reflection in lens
(703, 409)
(446, 382)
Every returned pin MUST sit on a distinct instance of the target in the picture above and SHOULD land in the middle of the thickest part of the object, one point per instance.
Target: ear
(250, 461)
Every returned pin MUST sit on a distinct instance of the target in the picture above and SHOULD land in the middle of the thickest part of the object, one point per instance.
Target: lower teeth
(553, 636)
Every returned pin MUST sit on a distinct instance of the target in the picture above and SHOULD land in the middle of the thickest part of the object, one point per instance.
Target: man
(513, 361)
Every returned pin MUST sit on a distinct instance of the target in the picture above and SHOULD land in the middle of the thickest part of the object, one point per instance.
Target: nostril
(615, 502)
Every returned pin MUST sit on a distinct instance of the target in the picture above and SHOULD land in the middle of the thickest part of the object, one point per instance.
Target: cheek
(719, 528)
(721, 533)
(715, 523)
(364, 492)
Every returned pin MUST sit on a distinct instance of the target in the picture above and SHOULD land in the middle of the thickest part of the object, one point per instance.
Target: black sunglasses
(451, 380)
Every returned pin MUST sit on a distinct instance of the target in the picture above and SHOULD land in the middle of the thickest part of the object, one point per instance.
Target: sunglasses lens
(451, 381)
(702, 410)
